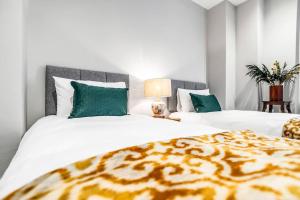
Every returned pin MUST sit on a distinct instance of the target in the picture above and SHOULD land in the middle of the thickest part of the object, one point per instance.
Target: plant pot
(276, 93)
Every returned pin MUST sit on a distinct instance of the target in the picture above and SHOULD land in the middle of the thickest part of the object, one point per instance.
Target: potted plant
(275, 77)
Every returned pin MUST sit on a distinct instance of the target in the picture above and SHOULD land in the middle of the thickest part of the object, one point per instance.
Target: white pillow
(184, 101)
(65, 92)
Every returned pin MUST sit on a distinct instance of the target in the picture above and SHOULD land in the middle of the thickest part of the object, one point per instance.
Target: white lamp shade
(157, 88)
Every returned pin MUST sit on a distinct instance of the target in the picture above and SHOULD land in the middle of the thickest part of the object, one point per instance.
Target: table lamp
(158, 88)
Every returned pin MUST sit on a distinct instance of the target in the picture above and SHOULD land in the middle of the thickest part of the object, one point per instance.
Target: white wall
(216, 52)
(249, 39)
(12, 108)
(157, 38)
(221, 45)
(280, 23)
(230, 55)
(296, 97)
(266, 31)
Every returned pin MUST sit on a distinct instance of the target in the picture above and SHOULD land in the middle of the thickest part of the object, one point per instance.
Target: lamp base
(158, 109)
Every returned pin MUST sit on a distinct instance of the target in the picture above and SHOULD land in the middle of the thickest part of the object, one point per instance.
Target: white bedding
(54, 142)
(262, 123)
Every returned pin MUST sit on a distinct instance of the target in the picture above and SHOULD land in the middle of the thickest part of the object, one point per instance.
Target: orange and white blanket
(291, 129)
(227, 165)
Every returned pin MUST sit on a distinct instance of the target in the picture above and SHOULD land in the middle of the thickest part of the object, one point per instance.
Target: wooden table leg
(288, 107)
(282, 108)
(264, 107)
(270, 108)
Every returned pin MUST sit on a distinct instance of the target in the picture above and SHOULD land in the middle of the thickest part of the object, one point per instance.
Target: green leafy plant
(276, 76)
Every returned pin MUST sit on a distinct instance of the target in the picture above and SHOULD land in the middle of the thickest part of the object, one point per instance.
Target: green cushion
(205, 103)
(92, 101)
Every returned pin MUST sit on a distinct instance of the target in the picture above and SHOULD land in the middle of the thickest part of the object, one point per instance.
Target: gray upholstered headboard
(76, 74)
(172, 101)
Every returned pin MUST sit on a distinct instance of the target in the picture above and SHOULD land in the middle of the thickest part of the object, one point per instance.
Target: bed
(263, 123)
(139, 157)
(54, 142)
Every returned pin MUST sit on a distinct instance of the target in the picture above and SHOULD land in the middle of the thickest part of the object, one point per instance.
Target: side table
(282, 104)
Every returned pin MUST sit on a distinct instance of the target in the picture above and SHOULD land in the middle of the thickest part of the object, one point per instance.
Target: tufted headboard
(76, 74)
(172, 101)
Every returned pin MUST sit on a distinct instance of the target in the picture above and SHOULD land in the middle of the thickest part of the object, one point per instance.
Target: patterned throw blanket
(227, 165)
(291, 129)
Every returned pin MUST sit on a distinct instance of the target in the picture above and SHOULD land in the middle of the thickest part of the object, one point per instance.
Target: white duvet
(55, 142)
(260, 122)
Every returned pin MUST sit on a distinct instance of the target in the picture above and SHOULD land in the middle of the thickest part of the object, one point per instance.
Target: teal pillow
(89, 101)
(203, 103)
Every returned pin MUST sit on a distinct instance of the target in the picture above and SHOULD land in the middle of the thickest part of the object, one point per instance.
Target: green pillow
(203, 103)
(92, 101)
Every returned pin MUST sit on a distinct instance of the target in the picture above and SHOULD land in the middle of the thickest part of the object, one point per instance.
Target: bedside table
(282, 105)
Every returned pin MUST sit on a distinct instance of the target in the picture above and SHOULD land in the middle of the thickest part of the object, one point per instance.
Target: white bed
(181, 106)
(54, 142)
(262, 123)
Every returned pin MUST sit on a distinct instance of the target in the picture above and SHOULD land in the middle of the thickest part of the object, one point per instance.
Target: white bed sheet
(260, 122)
(55, 142)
